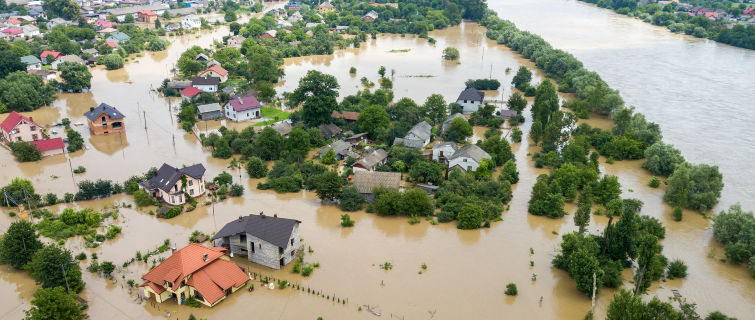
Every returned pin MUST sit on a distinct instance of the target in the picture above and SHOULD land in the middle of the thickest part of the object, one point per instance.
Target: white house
(468, 158)
(32, 63)
(243, 108)
(206, 84)
(69, 58)
(443, 151)
(191, 22)
(30, 30)
(418, 137)
(470, 100)
(54, 22)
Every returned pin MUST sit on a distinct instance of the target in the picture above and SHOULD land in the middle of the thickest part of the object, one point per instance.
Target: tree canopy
(318, 92)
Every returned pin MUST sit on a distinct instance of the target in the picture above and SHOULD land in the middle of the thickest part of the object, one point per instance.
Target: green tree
(76, 76)
(107, 267)
(662, 158)
(66, 9)
(21, 91)
(522, 78)
(54, 303)
(10, 62)
(256, 168)
(498, 148)
(546, 103)
(25, 151)
(329, 157)
(158, 25)
(607, 189)
(649, 249)
(142, 198)
(427, 171)
(113, 61)
(261, 66)
(19, 243)
(129, 18)
(694, 186)
(451, 53)
(328, 186)
(346, 220)
(517, 102)
(269, 144)
(298, 142)
(436, 108)
(470, 217)
(351, 199)
(485, 170)
(235, 28)
(47, 266)
(230, 16)
(75, 141)
(417, 203)
(318, 93)
(386, 84)
(381, 71)
(188, 66)
(509, 172)
(462, 127)
(372, 119)
(266, 91)
(453, 13)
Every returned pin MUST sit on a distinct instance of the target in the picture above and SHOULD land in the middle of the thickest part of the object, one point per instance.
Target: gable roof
(90, 51)
(13, 31)
(452, 144)
(190, 92)
(30, 59)
(283, 128)
(167, 176)
(244, 103)
(70, 58)
(205, 81)
(365, 181)
(325, 5)
(113, 113)
(329, 129)
(471, 94)
(410, 143)
(120, 36)
(54, 54)
(423, 130)
(184, 262)
(338, 146)
(217, 69)
(471, 151)
(203, 56)
(447, 124)
(274, 230)
(213, 279)
(208, 108)
(373, 158)
(12, 121)
(348, 115)
(49, 144)
(272, 33)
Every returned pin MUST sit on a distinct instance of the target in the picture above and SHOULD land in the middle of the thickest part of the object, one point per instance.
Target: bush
(25, 151)
(256, 168)
(511, 289)
(677, 269)
(346, 220)
(81, 256)
(113, 61)
(483, 84)
(237, 190)
(678, 213)
(655, 182)
(353, 70)
(80, 169)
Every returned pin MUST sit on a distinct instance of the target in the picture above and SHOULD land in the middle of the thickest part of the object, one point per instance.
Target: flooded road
(467, 269)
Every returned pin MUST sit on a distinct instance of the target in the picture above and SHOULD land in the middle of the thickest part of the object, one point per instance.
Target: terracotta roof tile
(49, 144)
(12, 121)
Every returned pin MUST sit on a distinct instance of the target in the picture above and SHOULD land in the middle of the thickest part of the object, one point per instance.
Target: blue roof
(294, 4)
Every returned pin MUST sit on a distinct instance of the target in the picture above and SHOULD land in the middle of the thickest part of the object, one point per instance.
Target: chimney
(204, 257)
(31, 119)
(91, 109)
(275, 215)
(239, 218)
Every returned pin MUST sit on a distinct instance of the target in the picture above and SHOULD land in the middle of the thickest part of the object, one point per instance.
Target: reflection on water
(467, 270)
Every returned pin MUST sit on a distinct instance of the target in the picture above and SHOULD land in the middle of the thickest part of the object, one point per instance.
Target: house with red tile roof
(189, 93)
(13, 32)
(17, 127)
(55, 56)
(215, 71)
(112, 44)
(103, 23)
(349, 116)
(13, 22)
(749, 11)
(243, 108)
(206, 274)
(50, 147)
(146, 16)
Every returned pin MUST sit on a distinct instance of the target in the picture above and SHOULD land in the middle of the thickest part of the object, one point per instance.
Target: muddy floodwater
(693, 88)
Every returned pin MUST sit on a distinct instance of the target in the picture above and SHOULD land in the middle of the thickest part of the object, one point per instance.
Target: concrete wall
(447, 152)
(266, 253)
(194, 187)
(468, 164)
(52, 152)
(207, 88)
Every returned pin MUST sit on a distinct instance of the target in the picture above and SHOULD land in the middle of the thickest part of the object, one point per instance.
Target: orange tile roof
(181, 264)
(218, 69)
(220, 275)
(156, 288)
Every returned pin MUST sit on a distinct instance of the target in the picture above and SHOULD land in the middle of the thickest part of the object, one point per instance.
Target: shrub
(113, 61)
(307, 271)
(655, 182)
(80, 169)
(353, 70)
(346, 220)
(678, 213)
(237, 190)
(511, 289)
(677, 269)
(81, 256)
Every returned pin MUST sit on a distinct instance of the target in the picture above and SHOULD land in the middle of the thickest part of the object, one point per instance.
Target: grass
(419, 76)
(399, 50)
(272, 113)
(236, 83)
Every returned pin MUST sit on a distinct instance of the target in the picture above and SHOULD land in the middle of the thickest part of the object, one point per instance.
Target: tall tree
(695, 186)
(19, 244)
(10, 62)
(298, 142)
(53, 266)
(76, 77)
(436, 108)
(23, 91)
(522, 78)
(372, 119)
(328, 186)
(318, 92)
(54, 303)
(269, 144)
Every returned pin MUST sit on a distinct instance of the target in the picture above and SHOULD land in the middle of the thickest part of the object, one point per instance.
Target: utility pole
(592, 305)
(491, 71)
(28, 203)
(64, 276)
(71, 167)
(145, 120)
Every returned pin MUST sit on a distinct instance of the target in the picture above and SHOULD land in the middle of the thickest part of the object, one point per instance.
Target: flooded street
(674, 80)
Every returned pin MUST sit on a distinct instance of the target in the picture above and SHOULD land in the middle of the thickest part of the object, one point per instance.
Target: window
(173, 199)
(292, 242)
(469, 168)
(35, 137)
(33, 128)
(260, 246)
(181, 198)
(103, 119)
(191, 192)
(465, 160)
(18, 138)
(465, 101)
(292, 253)
(191, 182)
(104, 125)
(198, 296)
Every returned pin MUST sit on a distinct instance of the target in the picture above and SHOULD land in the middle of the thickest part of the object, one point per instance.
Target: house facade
(242, 109)
(105, 119)
(468, 158)
(341, 148)
(357, 138)
(442, 151)
(370, 16)
(17, 127)
(32, 63)
(418, 137)
(189, 93)
(30, 30)
(69, 58)
(55, 55)
(117, 37)
(470, 100)
(146, 16)
(325, 7)
(215, 71)
(206, 84)
(209, 111)
(269, 241)
(54, 22)
(50, 147)
(167, 184)
(206, 274)
(191, 22)
(235, 41)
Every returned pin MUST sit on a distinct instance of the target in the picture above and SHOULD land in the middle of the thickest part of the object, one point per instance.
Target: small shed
(428, 187)
(209, 111)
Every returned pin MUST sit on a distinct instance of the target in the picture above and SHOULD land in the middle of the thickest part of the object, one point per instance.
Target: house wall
(210, 115)
(447, 152)
(194, 187)
(26, 131)
(52, 152)
(187, 23)
(243, 115)
(469, 106)
(214, 74)
(468, 164)
(57, 62)
(108, 125)
(206, 88)
(266, 253)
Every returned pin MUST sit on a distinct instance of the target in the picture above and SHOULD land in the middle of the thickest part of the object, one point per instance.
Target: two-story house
(17, 127)
(470, 100)
(216, 72)
(168, 184)
(55, 55)
(206, 274)
(117, 37)
(32, 63)
(418, 137)
(190, 22)
(105, 119)
(235, 41)
(269, 241)
(206, 84)
(243, 108)
(468, 158)
(325, 7)
(442, 151)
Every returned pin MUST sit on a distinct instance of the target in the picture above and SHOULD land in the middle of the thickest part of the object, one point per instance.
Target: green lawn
(272, 113)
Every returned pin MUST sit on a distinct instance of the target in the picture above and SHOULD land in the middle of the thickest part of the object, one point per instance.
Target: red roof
(217, 69)
(112, 44)
(190, 92)
(147, 13)
(49, 144)
(13, 21)
(12, 121)
(748, 11)
(54, 54)
(348, 115)
(210, 276)
(13, 31)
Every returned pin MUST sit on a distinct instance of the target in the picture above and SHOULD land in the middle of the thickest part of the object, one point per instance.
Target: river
(467, 270)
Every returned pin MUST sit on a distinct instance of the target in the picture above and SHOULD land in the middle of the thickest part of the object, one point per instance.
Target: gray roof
(202, 81)
(410, 143)
(422, 130)
(182, 11)
(447, 123)
(329, 130)
(167, 176)
(471, 151)
(282, 127)
(338, 147)
(449, 143)
(212, 107)
(274, 230)
(203, 56)
(471, 94)
(179, 84)
(373, 158)
(113, 113)
(229, 90)
(508, 113)
(365, 181)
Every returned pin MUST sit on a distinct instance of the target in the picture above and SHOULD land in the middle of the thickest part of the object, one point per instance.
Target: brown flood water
(467, 270)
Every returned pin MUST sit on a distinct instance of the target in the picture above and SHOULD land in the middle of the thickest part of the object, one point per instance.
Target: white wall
(469, 106)
(447, 152)
(467, 163)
